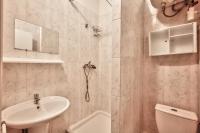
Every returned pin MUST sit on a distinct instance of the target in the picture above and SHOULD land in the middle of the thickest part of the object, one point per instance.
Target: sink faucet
(37, 100)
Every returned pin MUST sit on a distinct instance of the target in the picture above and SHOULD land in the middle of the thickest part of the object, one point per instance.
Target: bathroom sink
(26, 115)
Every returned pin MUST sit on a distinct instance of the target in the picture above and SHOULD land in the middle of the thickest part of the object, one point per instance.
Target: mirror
(32, 37)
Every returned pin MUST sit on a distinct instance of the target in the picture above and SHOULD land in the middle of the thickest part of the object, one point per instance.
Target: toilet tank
(174, 120)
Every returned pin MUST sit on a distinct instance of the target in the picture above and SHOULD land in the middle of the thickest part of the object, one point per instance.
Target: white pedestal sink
(26, 115)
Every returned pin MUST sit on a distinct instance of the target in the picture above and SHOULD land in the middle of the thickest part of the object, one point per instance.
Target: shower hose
(87, 94)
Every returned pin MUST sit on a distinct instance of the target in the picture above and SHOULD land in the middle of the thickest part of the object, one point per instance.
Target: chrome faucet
(37, 100)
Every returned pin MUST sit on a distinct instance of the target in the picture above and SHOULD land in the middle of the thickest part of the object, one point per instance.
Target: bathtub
(98, 122)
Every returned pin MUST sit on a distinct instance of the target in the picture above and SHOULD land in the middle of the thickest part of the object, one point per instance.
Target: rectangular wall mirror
(32, 37)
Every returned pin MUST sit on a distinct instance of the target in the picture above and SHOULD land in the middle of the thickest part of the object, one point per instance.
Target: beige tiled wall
(1, 52)
(127, 60)
(171, 80)
(144, 80)
(77, 47)
(116, 93)
(140, 81)
(105, 52)
(131, 66)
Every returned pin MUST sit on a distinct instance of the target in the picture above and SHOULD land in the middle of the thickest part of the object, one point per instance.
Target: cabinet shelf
(181, 39)
(181, 35)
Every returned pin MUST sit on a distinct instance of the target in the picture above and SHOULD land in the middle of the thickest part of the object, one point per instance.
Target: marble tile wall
(140, 81)
(115, 92)
(127, 62)
(130, 65)
(171, 80)
(105, 52)
(1, 53)
(77, 47)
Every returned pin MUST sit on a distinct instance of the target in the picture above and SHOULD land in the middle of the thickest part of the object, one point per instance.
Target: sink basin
(26, 115)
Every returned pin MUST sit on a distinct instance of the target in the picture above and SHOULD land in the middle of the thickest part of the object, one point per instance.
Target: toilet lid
(178, 112)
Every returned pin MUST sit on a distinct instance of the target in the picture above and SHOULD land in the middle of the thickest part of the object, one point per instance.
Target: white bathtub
(98, 122)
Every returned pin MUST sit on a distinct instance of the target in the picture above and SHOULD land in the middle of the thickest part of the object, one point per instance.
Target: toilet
(174, 120)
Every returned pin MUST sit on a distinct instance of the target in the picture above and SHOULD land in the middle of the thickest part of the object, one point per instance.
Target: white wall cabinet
(181, 39)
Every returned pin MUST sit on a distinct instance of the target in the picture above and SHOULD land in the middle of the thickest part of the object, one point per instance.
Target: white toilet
(173, 120)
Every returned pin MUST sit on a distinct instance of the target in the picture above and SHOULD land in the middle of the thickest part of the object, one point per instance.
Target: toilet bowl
(174, 120)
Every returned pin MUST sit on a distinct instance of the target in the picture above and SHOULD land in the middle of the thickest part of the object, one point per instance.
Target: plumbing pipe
(3, 127)
(191, 14)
